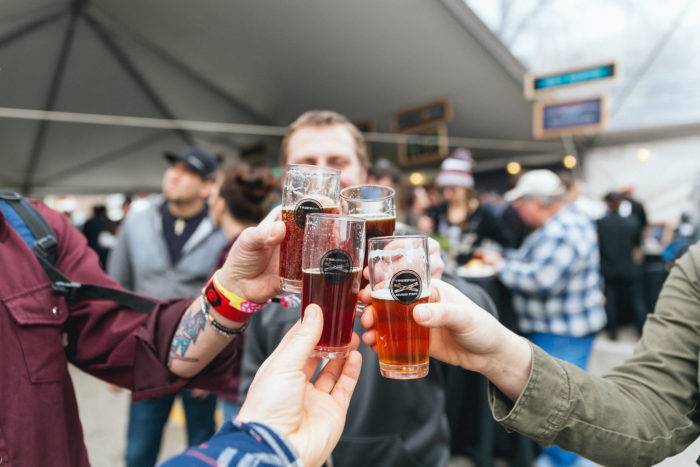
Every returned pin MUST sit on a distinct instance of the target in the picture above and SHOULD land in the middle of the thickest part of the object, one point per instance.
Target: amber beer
(402, 344)
(376, 227)
(306, 190)
(290, 249)
(337, 300)
(399, 272)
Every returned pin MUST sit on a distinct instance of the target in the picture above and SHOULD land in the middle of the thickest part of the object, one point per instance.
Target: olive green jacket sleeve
(642, 411)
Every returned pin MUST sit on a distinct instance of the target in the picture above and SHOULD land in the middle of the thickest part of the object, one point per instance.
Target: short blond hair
(321, 118)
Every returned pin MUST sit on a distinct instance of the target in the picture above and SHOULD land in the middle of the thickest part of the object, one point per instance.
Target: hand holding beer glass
(399, 275)
(376, 205)
(332, 258)
(307, 189)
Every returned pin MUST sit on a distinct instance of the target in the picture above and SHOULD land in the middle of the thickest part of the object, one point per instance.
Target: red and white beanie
(456, 170)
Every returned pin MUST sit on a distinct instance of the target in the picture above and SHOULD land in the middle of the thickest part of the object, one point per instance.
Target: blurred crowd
(571, 265)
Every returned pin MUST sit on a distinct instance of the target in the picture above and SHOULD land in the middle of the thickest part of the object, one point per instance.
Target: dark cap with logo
(200, 161)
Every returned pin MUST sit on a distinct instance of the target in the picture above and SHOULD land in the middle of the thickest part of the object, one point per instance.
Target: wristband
(218, 327)
(228, 304)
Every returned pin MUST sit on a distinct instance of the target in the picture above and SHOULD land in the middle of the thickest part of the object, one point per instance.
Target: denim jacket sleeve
(642, 411)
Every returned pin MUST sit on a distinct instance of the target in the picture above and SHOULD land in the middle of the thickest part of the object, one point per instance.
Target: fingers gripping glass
(306, 189)
(332, 258)
(376, 205)
(399, 274)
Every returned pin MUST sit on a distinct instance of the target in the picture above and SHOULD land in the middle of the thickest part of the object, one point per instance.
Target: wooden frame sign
(413, 153)
(581, 116)
(436, 111)
(536, 84)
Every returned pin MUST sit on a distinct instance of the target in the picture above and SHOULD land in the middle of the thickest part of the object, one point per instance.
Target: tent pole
(28, 28)
(187, 70)
(59, 72)
(128, 65)
(109, 156)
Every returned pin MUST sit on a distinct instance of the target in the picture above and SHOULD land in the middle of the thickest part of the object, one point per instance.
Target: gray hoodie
(140, 260)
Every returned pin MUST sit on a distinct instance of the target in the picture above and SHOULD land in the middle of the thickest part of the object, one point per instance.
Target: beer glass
(399, 275)
(332, 258)
(376, 205)
(306, 189)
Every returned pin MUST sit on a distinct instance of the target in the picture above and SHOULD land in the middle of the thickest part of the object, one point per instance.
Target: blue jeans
(575, 350)
(147, 419)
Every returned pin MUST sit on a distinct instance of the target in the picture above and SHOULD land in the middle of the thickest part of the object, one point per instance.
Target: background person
(167, 249)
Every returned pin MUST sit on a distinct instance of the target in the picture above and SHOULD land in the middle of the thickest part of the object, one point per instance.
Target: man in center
(389, 423)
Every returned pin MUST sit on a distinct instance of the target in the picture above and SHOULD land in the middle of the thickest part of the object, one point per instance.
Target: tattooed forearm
(191, 326)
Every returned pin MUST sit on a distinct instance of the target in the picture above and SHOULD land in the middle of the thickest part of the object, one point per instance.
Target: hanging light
(643, 154)
(513, 168)
(416, 178)
(569, 161)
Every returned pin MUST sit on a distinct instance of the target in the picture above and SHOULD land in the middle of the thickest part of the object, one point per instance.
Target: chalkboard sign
(437, 111)
(421, 151)
(581, 116)
(535, 84)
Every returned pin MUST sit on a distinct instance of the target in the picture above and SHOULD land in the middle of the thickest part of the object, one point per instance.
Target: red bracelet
(228, 304)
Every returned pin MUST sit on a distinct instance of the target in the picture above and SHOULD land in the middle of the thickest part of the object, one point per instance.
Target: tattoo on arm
(191, 326)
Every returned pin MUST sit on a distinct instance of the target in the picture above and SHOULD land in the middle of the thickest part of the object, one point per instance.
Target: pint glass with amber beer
(334, 248)
(400, 279)
(307, 189)
(376, 205)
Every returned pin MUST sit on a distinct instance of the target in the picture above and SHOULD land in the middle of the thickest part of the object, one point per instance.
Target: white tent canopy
(258, 62)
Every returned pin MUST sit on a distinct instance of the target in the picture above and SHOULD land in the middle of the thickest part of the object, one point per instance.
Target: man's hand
(310, 415)
(465, 335)
(252, 267)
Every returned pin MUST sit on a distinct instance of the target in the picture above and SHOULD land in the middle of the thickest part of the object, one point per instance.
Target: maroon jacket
(40, 333)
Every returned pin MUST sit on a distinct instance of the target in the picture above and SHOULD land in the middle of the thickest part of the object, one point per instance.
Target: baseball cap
(197, 159)
(536, 183)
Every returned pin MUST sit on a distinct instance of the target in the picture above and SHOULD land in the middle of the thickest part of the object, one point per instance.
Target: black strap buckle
(47, 246)
(67, 289)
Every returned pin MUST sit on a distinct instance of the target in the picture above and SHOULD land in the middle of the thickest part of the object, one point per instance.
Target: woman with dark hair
(238, 200)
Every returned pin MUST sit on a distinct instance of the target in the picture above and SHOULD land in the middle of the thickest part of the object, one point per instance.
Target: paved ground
(104, 413)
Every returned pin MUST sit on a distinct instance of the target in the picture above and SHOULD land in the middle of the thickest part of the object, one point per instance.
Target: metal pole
(264, 130)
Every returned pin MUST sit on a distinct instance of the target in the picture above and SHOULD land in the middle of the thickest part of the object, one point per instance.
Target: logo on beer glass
(405, 286)
(303, 209)
(336, 266)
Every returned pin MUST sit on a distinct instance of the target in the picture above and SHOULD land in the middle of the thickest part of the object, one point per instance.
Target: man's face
(530, 211)
(181, 184)
(327, 146)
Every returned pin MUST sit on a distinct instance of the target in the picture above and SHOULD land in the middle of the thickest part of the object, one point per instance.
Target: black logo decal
(304, 208)
(336, 266)
(405, 287)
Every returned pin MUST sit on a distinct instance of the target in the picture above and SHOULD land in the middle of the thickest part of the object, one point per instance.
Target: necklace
(179, 226)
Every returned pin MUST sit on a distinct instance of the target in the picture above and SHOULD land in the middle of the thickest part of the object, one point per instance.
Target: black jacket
(389, 423)
(617, 237)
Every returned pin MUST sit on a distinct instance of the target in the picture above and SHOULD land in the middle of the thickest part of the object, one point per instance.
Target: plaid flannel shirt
(555, 277)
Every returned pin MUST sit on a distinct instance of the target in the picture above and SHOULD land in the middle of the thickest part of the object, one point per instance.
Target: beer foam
(375, 217)
(410, 252)
(318, 270)
(385, 294)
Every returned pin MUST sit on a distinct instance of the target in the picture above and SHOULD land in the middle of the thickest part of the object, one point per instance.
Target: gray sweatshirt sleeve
(119, 262)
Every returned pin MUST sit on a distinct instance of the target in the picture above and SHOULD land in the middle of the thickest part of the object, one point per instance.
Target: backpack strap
(39, 236)
(30, 225)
